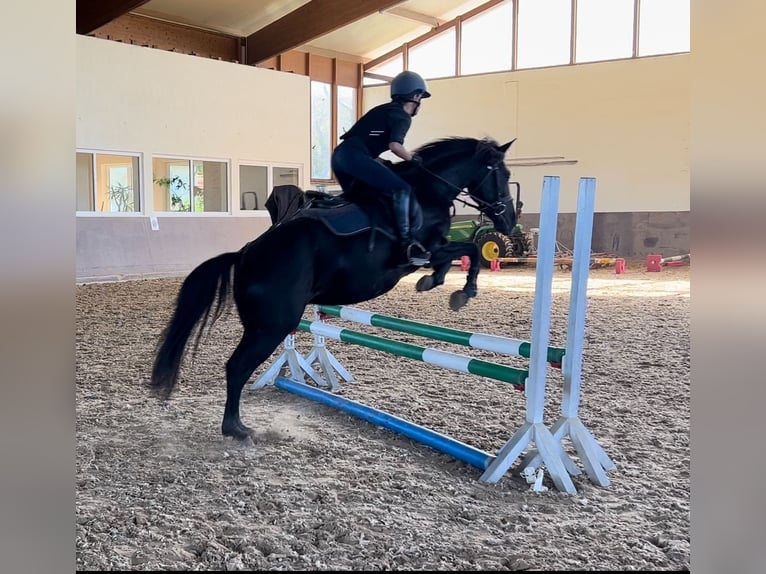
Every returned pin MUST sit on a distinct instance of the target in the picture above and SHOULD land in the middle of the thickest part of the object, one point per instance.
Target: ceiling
(364, 39)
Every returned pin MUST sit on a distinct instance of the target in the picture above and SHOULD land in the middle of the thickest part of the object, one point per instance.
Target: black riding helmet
(408, 84)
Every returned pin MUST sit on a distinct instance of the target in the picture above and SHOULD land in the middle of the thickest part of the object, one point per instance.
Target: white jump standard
(593, 457)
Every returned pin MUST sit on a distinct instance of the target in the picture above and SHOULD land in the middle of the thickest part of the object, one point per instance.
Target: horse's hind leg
(254, 348)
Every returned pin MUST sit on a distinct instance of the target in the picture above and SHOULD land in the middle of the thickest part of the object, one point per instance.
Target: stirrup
(424, 257)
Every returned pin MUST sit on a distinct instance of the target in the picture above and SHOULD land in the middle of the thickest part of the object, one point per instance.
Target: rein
(498, 207)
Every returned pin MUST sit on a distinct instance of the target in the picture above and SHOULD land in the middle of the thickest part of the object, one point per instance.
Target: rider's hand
(416, 159)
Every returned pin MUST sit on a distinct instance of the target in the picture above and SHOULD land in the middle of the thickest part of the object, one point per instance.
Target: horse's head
(489, 186)
(476, 168)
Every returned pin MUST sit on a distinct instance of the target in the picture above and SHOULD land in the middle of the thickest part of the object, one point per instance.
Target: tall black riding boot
(414, 252)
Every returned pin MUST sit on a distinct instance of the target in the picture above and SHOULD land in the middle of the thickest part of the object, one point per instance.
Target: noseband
(497, 208)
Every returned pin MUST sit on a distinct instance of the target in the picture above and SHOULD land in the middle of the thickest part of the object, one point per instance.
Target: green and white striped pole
(436, 357)
(503, 345)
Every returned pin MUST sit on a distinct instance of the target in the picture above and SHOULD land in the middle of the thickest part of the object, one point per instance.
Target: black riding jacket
(381, 125)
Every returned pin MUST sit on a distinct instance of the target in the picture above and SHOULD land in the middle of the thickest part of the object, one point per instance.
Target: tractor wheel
(521, 244)
(493, 245)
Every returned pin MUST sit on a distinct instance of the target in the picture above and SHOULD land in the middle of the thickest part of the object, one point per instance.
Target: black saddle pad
(345, 218)
(340, 216)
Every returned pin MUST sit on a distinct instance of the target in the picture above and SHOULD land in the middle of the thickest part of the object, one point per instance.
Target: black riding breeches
(350, 161)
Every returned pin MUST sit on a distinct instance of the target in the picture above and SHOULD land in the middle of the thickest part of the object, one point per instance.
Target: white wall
(625, 122)
(131, 98)
(154, 102)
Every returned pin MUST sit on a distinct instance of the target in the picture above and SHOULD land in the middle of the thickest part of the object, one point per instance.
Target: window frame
(637, 32)
(355, 100)
(469, 19)
(373, 73)
(428, 38)
(375, 79)
(332, 138)
(192, 159)
(334, 135)
(575, 29)
(269, 165)
(139, 177)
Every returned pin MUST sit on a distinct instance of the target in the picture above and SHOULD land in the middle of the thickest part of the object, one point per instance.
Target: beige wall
(625, 122)
(118, 248)
(153, 102)
(131, 98)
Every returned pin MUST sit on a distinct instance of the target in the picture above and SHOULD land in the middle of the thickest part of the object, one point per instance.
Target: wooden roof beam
(312, 20)
(92, 14)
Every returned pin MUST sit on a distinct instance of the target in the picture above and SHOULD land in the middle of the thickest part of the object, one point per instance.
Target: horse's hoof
(244, 439)
(425, 283)
(240, 433)
(457, 300)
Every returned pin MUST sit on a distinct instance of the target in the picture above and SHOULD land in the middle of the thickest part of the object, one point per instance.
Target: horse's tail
(193, 306)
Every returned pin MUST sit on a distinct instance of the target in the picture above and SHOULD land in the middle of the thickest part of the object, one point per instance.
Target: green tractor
(493, 244)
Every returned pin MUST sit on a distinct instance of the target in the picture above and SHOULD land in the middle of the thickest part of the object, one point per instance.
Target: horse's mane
(445, 148)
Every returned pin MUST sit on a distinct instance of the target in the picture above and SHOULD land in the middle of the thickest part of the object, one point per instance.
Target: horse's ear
(504, 148)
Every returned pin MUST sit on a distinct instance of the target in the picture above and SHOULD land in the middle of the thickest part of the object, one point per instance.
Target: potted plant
(174, 185)
(121, 196)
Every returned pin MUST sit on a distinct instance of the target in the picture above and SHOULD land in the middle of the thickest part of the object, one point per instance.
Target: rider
(381, 129)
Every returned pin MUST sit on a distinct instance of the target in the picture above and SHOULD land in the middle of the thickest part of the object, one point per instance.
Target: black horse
(271, 293)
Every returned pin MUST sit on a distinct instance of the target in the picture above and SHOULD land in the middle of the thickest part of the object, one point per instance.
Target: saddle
(340, 216)
(345, 218)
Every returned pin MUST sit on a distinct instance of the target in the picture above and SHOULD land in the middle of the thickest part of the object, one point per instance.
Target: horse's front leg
(441, 261)
(458, 299)
(428, 282)
(471, 288)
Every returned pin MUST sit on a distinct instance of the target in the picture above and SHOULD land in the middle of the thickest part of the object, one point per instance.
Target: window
(190, 185)
(545, 28)
(604, 30)
(321, 130)
(285, 176)
(108, 183)
(253, 186)
(388, 68)
(435, 57)
(328, 122)
(346, 109)
(487, 41)
(663, 27)
(256, 182)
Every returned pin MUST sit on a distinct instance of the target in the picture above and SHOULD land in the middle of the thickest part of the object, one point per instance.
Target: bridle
(497, 208)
